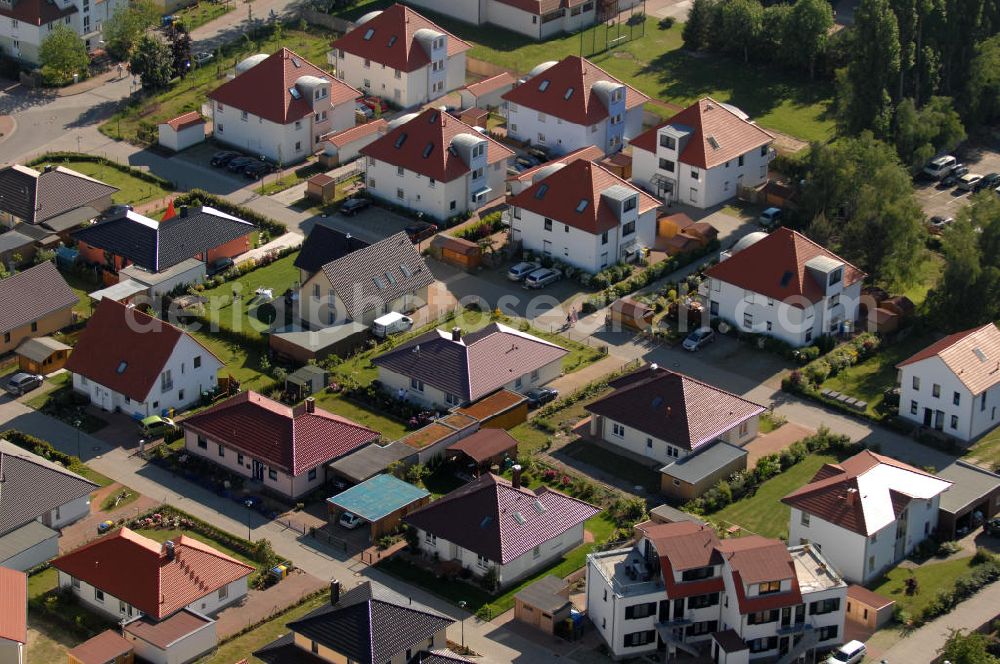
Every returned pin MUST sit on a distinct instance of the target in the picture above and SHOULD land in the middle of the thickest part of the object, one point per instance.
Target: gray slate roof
(33, 294)
(324, 245)
(33, 486)
(970, 484)
(545, 594)
(370, 460)
(38, 196)
(158, 246)
(378, 274)
(21, 539)
(696, 467)
(37, 349)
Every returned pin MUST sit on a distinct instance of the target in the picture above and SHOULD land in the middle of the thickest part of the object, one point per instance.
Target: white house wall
(974, 416)
(282, 144)
(68, 513)
(22, 39)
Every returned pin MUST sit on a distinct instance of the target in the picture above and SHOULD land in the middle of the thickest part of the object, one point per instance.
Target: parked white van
(391, 323)
(940, 167)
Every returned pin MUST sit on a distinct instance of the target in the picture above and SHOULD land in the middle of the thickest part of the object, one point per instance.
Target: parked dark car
(992, 527)
(539, 396)
(989, 181)
(420, 231)
(952, 178)
(222, 158)
(22, 383)
(116, 210)
(257, 170)
(239, 163)
(354, 205)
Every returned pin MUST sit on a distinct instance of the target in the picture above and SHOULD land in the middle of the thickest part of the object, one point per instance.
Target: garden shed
(108, 647)
(382, 501)
(321, 187)
(483, 450)
(695, 474)
(456, 251)
(504, 409)
(543, 604)
(631, 314)
(182, 132)
(305, 381)
(868, 608)
(42, 355)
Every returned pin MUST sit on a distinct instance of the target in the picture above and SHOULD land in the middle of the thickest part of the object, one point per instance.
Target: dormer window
(630, 204)
(543, 86)
(369, 33)
(769, 587)
(479, 150)
(836, 276)
(668, 142)
(617, 94)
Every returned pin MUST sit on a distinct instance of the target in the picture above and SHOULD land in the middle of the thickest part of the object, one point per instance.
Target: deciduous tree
(153, 63)
(62, 54)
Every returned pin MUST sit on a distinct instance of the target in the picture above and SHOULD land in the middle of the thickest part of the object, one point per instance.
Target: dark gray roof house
(43, 197)
(368, 624)
(159, 245)
(32, 295)
(324, 245)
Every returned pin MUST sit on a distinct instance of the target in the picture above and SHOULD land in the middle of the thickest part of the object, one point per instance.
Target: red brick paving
(777, 440)
(259, 605)
(77, 534)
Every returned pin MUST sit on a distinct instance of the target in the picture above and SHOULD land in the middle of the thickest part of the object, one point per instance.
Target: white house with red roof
(866, 513)
(436, 164)
(128, 361)
(24, 24)
(702, 156)
(284, 448)
(398, 54)
(280, 107)
(538, 19)
(583, 215)
(783, 285)
(567, 105)
(953, 385)
(680, 589)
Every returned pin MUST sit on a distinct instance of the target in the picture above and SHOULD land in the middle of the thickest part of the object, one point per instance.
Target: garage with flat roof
(973, 497)
(381, 501)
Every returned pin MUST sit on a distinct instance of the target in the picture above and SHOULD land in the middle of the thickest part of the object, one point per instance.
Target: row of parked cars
(949, 172)
(235, 162)
(533, 275)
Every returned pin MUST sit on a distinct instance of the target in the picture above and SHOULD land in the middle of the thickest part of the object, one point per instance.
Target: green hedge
(273, 227)
(42, 448)
(985, 570)
(57, 157)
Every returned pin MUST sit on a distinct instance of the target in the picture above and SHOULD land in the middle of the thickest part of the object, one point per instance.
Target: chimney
(456, 334)
(49, 168)
(310, 405)
(852, 496)
(183, 211)
(168, 549)
(334, 592)
(516, 482)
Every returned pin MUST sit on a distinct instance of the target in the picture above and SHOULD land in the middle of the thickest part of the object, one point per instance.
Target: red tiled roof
(136, 569)
(674, 407)
(101, 649)
(186, 120)
(682, 546)
(482, 517)
(492, 83)
(710, 121)
(780, 257)
(560, 195)
(392, 42)
(163, 633)
(342, 138)
(430, 133)
(755, 559)
(583, 106)
(973, 356)
(124, 349)
(485, 444)
(37, 12)
(868, 597)
(263, 90)
(290, 438)
(13, 605)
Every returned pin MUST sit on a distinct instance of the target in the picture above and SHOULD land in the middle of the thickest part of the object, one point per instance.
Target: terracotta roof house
(953, 385)
(702, 156)
(660, 415)
(13, 616)
(583, 215)
(487, 93)
(201, 233)
(324, 245)
(127, 360)
(284, 448)
(448, 368)
(398, 54)
(783, 285)
(368, 624)
(361, 285)
(436, 164)
(54, 197)
(867, 513)
(37, 302)
(492, 522)
(567, 105)
(744, 598)
(344, 146)
(108, 647)
(280, 106)
(538, 19)
(526, 178)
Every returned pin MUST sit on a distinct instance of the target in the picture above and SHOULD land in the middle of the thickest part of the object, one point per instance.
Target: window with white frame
(618, 430)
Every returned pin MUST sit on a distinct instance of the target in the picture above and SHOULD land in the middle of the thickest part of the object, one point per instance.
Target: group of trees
(157, 62)
(794, 35)
(969, 648)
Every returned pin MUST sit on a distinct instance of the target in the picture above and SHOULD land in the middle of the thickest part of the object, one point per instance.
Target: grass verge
(931, 579)
(132, 190)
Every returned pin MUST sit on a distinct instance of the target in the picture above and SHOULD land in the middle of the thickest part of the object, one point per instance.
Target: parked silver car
(521, 270)
(542, 277)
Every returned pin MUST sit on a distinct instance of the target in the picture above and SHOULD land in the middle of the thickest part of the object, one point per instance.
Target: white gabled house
(583, 215)
(702, 156)
(953, 385)
(866, 513)
(538, 19)
(401, 56)
(783, 285)
(128, 361)
(567, 105)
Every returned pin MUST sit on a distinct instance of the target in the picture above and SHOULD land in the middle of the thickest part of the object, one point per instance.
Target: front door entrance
(928, 417)
(258, 470)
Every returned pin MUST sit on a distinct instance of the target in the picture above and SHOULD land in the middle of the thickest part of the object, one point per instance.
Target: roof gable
(33, 294)
(324, 245)
(972, 355)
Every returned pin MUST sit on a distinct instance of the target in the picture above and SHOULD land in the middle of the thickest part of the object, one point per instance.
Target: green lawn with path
(199, 14)
(240, 315)
(133, 190)
(931, 577)
(764, 513)
(987, 450)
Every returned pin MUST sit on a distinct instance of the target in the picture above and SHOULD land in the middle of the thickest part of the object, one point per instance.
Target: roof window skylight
(785, 278)
(392, 40)
(295, 93)
(714, 143)
(569, 93)
(122, 366)
(582, 205)
(428, 149)
(407, 272)
(379, 281)
(369, 33)
(391, 279)
(400, 140)
(542, 188)
(543, 86)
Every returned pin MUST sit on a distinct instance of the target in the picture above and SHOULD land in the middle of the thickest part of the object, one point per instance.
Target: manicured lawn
(931, 578)
(241, 315)
(242, 363)
(198, 15)
(636, 474)
(273, 185)
(532, 438)
(43, 582)
(869, 379)
(764, 513)
(987, 449)
(162, 535)
(133, 190)
(82, 286)
(86, 471)
(43, 394)
(119, 499)
(390, 428)
(189, 94)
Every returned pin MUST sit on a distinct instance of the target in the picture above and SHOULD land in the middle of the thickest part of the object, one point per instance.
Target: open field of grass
(390, 428)
(133, 190)
(241, 647)
(201, 13)
(241, 315)
(930, 273)
(931, 578)
(764, 513)
(241, 363)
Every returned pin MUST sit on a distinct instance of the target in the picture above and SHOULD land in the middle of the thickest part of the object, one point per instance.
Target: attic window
(485, 523)
(400, 140)
(391, 279)
(434, 117)
(520, 518)
(296, 63)
(122, 366)
(295, 93)
(569, 93)
(379, 281)
(542, 188)
(428, 149)
(582, 205)
(407, 272)
(543, 86)
(392, 40)
(539, 507)
(714, 143)
(368, 33)
(980, 354)
(785, 278)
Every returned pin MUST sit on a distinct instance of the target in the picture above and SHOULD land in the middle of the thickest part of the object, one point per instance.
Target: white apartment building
(702, 156)
(24, 24)
(866, 513)
(583, 215)
(953, 385)
(401, 56)
(280, 107)
(567, 105)
(682, 590)
(435, 164)
(783, 285)
(538, 19)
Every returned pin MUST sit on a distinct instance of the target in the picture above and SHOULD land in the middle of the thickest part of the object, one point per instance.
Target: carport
(974, 496)
(382, 501)
(483, 450)
(369, 461)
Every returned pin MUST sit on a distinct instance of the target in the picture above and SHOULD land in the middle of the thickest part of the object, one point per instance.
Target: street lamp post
(77, 423)
(249, 505)
(462, 604)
